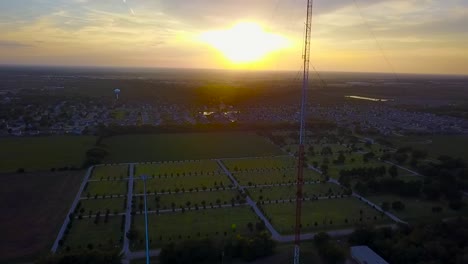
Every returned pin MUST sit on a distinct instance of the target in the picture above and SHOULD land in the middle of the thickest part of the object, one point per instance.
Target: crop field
(274, 177)
(105, 188)
(178, 168)
(86, 232)
(29, 152)
(102, 205)
(323, 215)
(192, 199)
(259, 164)
(110, 172)
(417, 209)
(289, 192)
(185, 146)
(182, 183)
(216, 224)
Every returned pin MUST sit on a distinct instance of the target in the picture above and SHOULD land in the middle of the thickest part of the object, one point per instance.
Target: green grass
(289, 192)
(182, 182)
(165, 147)
(43, 153)
(85, 231)
(210, 223)
(105, 188)
(417, 209)
(178, 167)
(451, 145)
(34, 206)
(95, 205)
(181, 199)
(235, 165)
(322, 211)
(273, 177)
(110, 172)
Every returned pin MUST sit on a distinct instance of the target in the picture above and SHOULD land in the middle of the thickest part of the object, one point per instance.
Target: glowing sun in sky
(244, 42)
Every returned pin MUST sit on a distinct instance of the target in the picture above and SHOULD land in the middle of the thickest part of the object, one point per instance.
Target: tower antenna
(302, 135)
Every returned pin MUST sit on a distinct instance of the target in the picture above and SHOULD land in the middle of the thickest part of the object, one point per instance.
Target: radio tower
(302, 135)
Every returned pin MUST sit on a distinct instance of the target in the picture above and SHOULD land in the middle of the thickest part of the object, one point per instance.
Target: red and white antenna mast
(302, 134)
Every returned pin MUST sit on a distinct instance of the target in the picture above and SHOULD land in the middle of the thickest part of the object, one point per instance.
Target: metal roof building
(365, 255)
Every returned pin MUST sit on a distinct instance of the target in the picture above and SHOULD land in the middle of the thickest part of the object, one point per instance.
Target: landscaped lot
(110, 172)
(105, 188)
(289, 192)
(274, 177)
(213, 223)
(86, 233)
(102, 205)
(258, 164)
(323, 215)
(176, 168)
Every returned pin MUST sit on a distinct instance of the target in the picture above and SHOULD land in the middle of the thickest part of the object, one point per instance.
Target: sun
(244, 42)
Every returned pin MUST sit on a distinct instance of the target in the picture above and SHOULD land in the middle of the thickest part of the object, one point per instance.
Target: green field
(101, 235)
(34, 206)
(164, 184)
(110, 172)
(195, 198)
(211, 223)
(451, 145)
(417, 209)
(274, 177)
(282, 162)
(95, 205)
(165, 147)
(289, 192)
(105, 188)
(43, 153)
(322, 212)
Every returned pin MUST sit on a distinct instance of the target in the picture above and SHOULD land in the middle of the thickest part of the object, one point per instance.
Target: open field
(101, 205)
(195, 198)
(417, 209)
(211, 223)
(37, 204)
(182, 182)
(289, 192)
(451, 145)
(274, 176)
(328, 214)
(105, 188)
(165, 147)
(178, 168)
(43, 153)
(101, 235)
(258, 164)
(109, 172)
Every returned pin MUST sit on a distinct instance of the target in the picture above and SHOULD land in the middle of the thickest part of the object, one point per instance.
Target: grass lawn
(110, 172)
(235, 165)
(95, 205)
(211, 223)
(105, 188)
(178, 167)
(187, 182)
(33, 209)
(322, 212)
(181, 199)
(43, 153)
(418, 209)
(85, 231)
(165, 147)
(274, 176)
(289, 192)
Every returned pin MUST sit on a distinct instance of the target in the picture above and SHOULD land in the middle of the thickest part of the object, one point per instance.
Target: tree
(385, 206)
(393, 171)
(398, 206)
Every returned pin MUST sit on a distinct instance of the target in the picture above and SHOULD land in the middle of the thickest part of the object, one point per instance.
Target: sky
(407, 36)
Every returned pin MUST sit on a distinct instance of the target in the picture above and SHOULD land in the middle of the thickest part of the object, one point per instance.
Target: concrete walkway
(72, 209)
(128, 212)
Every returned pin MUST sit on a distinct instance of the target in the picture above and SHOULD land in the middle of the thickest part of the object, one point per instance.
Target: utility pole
(302, 134)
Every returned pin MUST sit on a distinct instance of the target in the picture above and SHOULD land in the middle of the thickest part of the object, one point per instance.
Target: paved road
(72, 209)
(128, 212)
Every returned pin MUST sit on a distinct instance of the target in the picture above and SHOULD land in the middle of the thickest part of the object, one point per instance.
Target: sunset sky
(417, 36)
